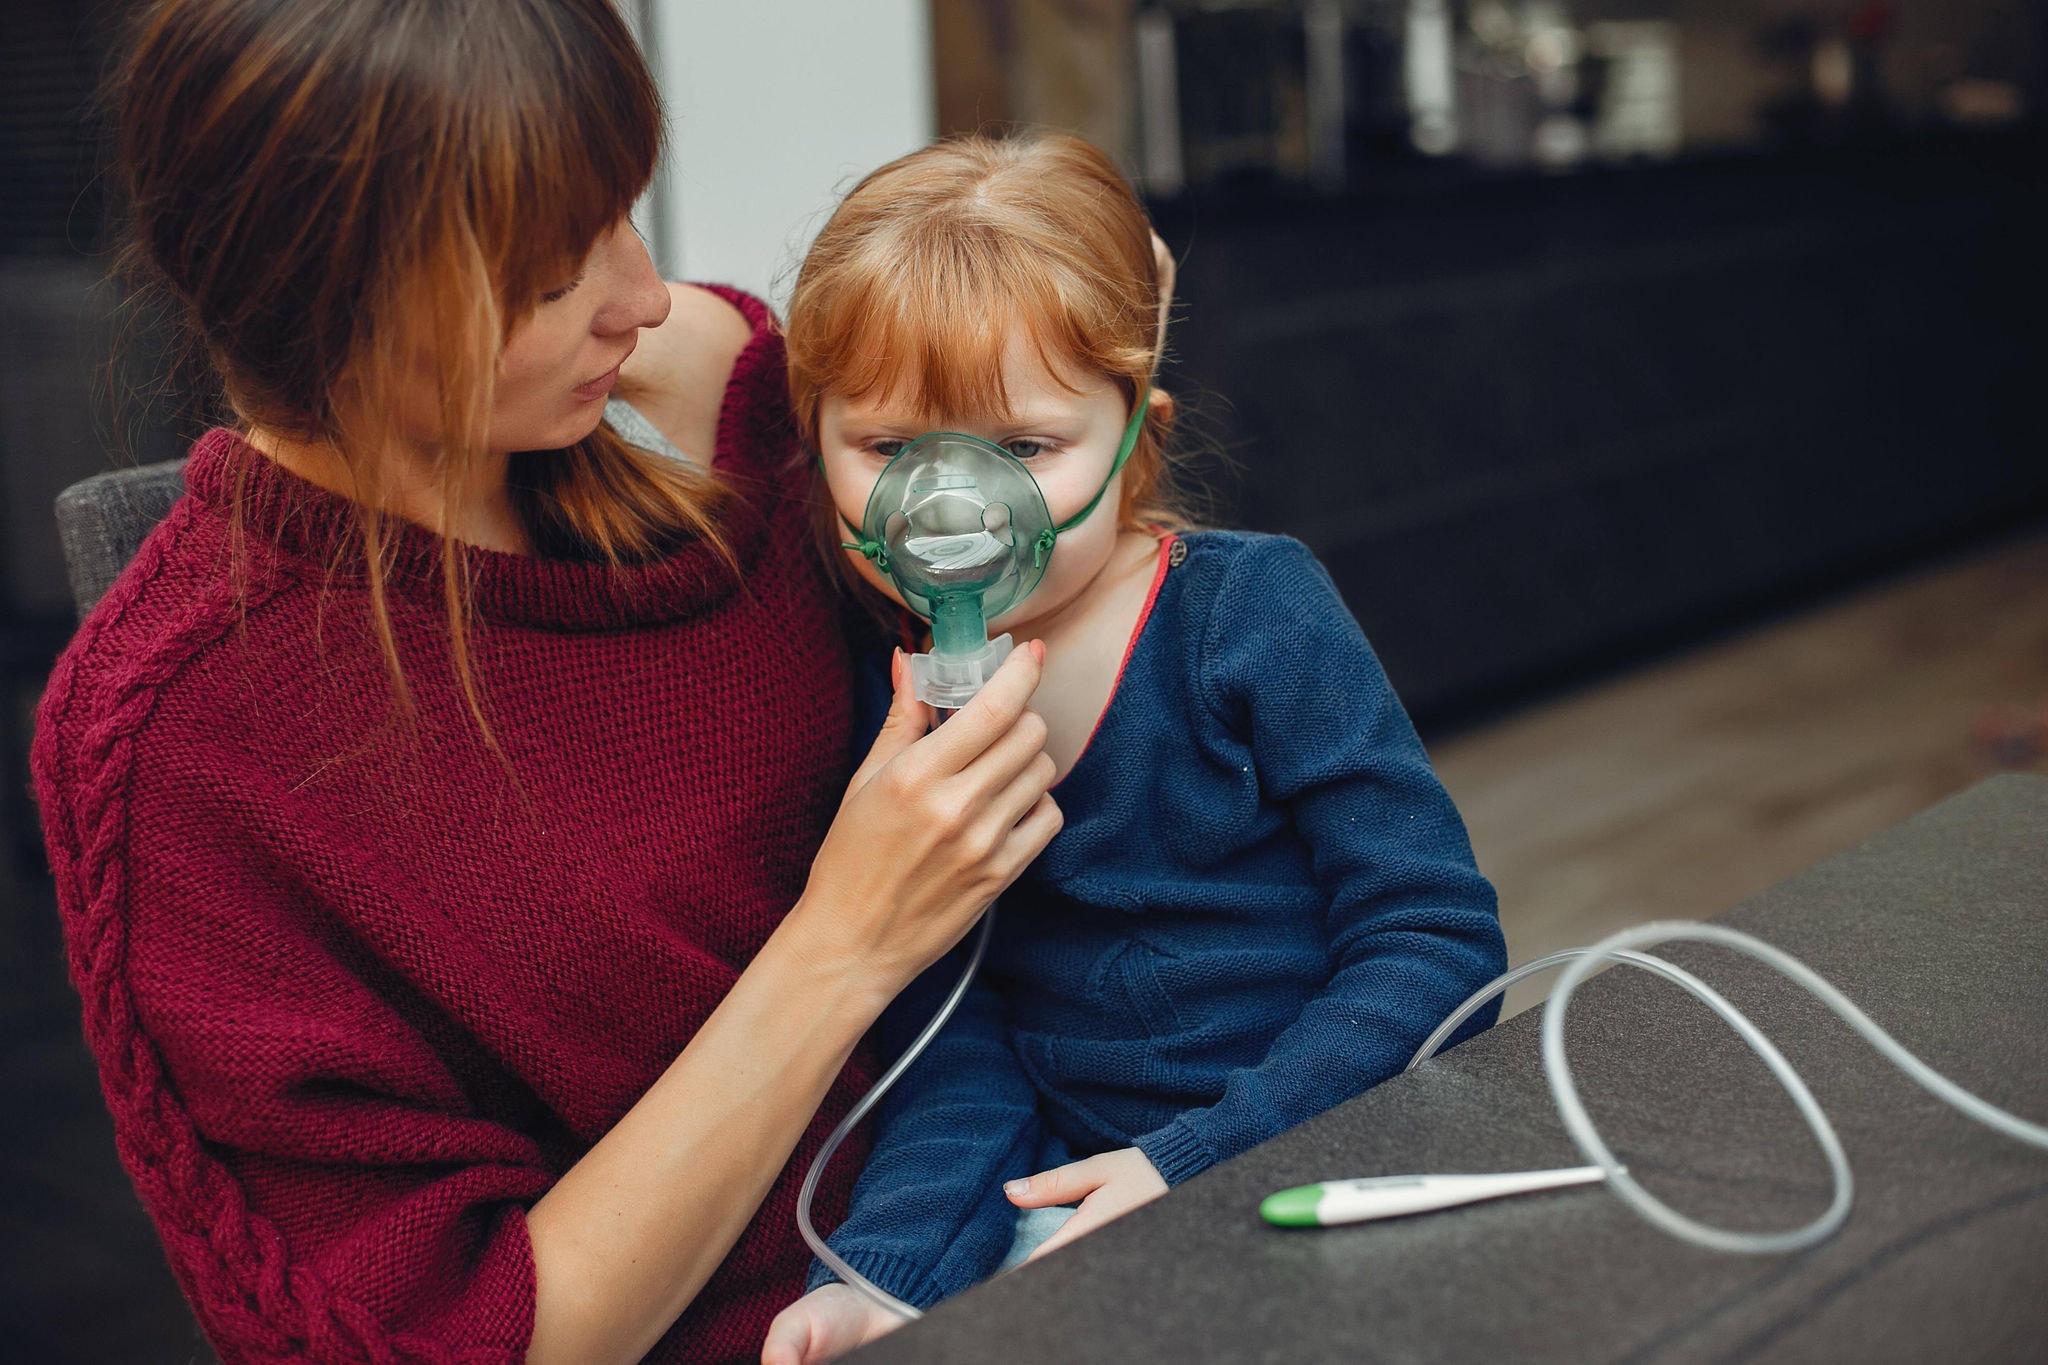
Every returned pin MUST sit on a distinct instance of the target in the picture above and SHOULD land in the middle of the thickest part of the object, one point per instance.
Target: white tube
(1616, 948)
(836, 1263)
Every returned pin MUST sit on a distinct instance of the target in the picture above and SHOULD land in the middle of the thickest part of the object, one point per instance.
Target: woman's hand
(825, 1324)
(1108, 1186)
(934, 826)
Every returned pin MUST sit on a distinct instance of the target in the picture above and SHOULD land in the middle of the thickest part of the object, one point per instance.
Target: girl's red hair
(928, 268)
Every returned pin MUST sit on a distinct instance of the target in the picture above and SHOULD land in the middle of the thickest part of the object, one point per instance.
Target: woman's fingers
(1014, 752)
(1016, 800)
(908, 721)
(984, 720)
(920, 845)
(1030, 835)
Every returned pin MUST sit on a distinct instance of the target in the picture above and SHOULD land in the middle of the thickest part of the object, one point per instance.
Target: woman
(434, 800)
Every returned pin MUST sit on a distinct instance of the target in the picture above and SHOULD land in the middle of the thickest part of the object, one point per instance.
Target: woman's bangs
(578, 149)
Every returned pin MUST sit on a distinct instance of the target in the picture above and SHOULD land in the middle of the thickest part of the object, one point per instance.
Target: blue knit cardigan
(1261, 902)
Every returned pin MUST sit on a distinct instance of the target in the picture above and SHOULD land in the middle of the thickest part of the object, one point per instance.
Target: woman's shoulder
(168, 609)
(158, 607)
(681, 374)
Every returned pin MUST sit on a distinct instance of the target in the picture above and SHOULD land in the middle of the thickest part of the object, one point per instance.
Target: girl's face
(1065, 428)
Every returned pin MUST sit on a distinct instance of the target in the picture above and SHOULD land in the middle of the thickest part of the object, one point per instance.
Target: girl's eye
(1027, 450)
(888, 450)
(557, 295)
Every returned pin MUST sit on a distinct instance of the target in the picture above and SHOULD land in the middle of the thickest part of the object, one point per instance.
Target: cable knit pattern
(360, 990)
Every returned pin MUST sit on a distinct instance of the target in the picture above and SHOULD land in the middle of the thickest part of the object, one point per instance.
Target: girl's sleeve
(326, 1188)
(1413, 927)
(929, 1217)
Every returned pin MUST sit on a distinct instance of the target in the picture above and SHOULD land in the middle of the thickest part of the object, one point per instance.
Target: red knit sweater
(357, 995)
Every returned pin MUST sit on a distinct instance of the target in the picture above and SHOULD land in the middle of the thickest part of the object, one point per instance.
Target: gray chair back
(103, 520)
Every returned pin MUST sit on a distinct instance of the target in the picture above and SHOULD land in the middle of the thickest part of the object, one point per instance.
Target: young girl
(1261, 900)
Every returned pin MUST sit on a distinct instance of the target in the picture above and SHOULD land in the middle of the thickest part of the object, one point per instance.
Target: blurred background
(1661, 380)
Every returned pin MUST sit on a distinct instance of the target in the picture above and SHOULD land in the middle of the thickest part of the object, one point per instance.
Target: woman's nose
(639, 297)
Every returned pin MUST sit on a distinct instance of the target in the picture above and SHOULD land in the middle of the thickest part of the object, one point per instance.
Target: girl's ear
(1163, 259)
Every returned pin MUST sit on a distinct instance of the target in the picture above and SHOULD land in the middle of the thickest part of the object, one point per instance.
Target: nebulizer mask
(960, 527)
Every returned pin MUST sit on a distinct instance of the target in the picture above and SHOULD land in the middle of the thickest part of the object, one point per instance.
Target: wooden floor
(1678, 790)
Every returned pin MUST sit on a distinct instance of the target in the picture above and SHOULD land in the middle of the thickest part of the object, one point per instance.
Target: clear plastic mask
(960, 527)
(965, 533)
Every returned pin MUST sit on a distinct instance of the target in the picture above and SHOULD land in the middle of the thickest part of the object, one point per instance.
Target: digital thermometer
(1396, 1196)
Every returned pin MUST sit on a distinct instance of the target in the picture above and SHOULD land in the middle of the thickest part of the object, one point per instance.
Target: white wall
(774, 106)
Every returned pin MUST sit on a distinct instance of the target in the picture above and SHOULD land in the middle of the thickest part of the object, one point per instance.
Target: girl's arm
(1413, 926)
(930, 832)
(928, 1217)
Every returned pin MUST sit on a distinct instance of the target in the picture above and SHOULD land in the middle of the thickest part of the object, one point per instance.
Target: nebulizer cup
(960, 527)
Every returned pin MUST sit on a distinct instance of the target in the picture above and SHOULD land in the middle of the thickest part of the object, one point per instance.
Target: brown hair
(331, 190)
(932, 263)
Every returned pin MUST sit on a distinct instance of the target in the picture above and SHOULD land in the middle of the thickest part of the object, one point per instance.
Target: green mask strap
(878, 554)
(1132, 429)
(872, 550)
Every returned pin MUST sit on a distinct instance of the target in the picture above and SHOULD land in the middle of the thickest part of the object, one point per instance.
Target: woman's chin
(559, 435)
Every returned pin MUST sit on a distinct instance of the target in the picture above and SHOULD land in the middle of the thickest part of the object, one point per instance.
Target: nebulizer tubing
(832, 1259)
(1579, 963)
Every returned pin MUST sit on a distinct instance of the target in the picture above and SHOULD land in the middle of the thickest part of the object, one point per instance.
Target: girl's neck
(1085, 642)
(412, 491)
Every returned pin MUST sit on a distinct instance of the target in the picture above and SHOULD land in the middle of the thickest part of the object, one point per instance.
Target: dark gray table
(1938, 928)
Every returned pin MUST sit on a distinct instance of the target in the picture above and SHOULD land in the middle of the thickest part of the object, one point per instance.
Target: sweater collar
(315, 533)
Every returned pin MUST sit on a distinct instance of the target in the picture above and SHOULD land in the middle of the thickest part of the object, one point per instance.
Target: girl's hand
(933, 827)
(1108, 1186)
(825, 1323)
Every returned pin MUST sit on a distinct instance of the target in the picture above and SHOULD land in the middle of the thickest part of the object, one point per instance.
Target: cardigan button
(1177, 555)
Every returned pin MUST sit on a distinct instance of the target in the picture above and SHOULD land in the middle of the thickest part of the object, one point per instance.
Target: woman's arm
(932, 829)
(327, 1181)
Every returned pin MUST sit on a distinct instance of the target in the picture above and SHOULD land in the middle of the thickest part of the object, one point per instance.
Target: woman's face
(1065, 429)
(562, 359)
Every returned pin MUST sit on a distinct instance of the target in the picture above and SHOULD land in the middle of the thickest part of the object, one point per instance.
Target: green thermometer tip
(1295, 1208)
